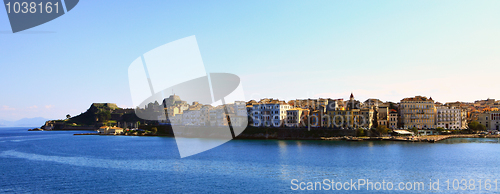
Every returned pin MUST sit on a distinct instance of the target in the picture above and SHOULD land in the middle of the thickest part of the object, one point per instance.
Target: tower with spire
(352, 103)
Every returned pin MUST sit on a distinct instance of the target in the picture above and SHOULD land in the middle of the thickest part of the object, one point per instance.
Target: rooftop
(417, 98)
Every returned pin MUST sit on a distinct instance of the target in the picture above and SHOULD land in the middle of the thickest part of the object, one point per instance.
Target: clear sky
(449, 50)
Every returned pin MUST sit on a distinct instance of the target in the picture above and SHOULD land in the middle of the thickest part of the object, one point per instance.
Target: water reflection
(299, 146)
(282, 146)
(470, 140)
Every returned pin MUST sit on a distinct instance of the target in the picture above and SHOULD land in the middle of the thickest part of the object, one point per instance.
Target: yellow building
(344, 119)
(319, 118)
(350, 115)
(366, 118)
(419, 112)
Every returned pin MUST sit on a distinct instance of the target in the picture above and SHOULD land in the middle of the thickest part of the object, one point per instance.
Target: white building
(110, 130)
(213, 117)
(191, 117)
(240, 116)
(218, 116)
(221, 117)
(240, 108)
(448, 117)
(176, 119)
(270, 113)
(204, 117)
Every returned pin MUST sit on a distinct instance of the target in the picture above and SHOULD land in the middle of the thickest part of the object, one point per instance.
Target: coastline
(426, 139)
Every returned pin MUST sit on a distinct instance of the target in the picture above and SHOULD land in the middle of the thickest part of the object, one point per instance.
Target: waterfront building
(314, 119)
(393, 119)
(352, 119)
(239, 116)
(110, 130)
(204, 119)
(490, 119)
(319, 118)
(218, 116)
(173, 105)
(465, 109)
(213, 116)
(366, 118)
(448, 117)
(344, 119)
(240, 108)
(350, 115)
(222, 116)
(419, 112)
(176, 119)
(463, 118)
(382, 116)
(191, 117)
(296, 117)
(352, 103)
(269, 112)
(172, 111)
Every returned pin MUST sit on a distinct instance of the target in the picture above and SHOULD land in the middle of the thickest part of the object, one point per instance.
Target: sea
(60, 162)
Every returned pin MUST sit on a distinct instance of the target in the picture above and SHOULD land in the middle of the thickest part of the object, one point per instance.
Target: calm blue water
(51, 161)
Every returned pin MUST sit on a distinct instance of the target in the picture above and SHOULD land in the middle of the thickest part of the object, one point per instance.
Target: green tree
(382, 130)
(473, 125)
(414, 130)
(476, 126)
(154, 130)
(360, 132)
(104, 115)
(439, 130)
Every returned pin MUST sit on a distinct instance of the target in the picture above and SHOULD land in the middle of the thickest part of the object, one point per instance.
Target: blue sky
(449, 50)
